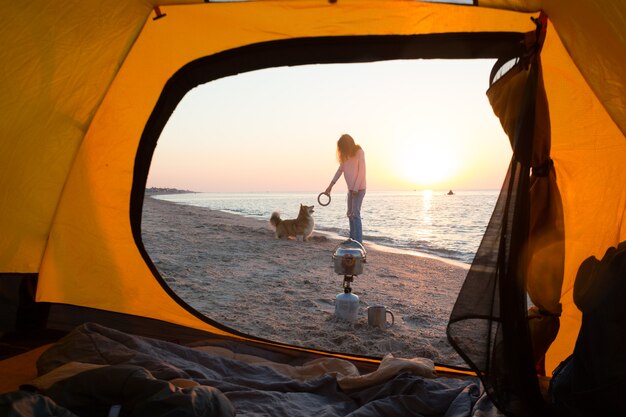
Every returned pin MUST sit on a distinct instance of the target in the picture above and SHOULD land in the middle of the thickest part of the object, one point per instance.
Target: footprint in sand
(416, 321)
(308, 304)
(388, 276)
(326, 302)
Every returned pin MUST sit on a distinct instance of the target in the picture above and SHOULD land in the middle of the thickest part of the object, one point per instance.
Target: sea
(422, 222)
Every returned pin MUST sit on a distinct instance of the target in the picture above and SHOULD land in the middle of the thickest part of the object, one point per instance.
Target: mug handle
(393, 319)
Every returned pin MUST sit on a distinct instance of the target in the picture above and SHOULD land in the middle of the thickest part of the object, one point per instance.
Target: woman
(352, 165)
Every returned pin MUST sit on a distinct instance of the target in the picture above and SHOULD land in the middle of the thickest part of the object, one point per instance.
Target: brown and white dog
(300, 228)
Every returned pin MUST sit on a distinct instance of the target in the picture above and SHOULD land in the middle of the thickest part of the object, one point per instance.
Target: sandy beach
(235, 271)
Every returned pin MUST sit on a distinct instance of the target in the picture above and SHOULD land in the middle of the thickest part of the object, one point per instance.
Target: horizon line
(175, 189)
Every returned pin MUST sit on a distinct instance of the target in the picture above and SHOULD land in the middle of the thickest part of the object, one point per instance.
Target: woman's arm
(335, 178)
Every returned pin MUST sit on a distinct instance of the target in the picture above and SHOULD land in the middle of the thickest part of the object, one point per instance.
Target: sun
(426, 164)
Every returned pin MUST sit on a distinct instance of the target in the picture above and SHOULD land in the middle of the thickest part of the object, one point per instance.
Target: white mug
(377, 316)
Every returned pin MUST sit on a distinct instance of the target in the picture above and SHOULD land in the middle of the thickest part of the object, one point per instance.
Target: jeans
(354, 215)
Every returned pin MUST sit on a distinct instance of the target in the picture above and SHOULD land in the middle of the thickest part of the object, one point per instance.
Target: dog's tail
(275, 219)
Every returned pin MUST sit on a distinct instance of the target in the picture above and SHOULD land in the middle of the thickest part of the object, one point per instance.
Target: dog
(300, 228)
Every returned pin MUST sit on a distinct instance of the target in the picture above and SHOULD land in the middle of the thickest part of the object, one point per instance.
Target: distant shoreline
(163, 190)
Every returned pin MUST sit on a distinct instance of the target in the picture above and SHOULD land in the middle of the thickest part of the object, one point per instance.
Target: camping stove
(348, 258)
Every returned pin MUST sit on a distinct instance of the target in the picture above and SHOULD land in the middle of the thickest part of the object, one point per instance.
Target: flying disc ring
(319, 199)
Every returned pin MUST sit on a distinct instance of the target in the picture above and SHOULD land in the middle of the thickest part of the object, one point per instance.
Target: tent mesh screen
(488, 324)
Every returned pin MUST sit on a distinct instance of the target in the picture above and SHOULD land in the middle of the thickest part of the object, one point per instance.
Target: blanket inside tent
(95, 367)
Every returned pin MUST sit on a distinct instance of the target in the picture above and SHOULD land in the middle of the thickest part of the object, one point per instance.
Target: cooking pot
(349, 257)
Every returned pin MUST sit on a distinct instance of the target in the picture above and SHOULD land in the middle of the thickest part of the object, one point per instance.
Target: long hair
(346, 148)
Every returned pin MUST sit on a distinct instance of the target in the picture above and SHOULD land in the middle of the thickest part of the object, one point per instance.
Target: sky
(423, 124)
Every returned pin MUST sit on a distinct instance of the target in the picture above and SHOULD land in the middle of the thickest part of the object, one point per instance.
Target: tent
(88, 87)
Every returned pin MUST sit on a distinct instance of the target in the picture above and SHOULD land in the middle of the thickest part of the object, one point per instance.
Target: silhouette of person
(352, 165)
(591, 382)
